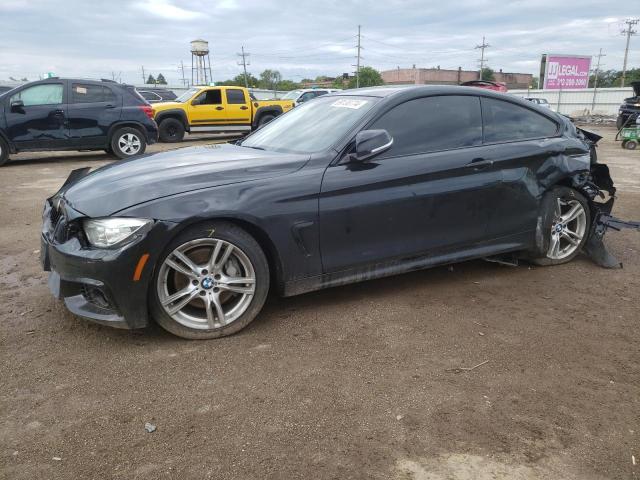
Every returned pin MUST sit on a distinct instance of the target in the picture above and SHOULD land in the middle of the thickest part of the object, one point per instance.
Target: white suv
(303, 95)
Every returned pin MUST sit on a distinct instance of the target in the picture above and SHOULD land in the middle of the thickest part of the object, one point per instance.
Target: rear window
(508, 122)
(235, 96)
(87, 93)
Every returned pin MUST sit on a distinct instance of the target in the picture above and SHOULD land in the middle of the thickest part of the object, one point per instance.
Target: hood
(160, 106)
(127, 183)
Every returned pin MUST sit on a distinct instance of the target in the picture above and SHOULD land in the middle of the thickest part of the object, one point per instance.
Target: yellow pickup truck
(215, 109)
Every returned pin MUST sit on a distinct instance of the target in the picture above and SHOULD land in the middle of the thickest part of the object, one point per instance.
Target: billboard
(565, 71)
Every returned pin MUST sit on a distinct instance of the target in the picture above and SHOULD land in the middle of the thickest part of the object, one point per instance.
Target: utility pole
(628, 32)
(482, 60)
(358, 57)
(595, 80)
(244, 64)
(144, 79)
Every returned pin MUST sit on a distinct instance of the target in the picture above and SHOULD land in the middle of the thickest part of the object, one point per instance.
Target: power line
(482, 59)
(243, 62)
(629, 31)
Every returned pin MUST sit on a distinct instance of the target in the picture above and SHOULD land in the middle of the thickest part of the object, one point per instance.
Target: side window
(235, 96)
(151, 96)
(87, 93)
(210, 97)
(48, 94)
(321, 92)
(431, 124)
(306, 96)
(506, 122)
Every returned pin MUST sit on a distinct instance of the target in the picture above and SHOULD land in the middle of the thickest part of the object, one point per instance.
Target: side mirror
(370, 143)
(17, 106)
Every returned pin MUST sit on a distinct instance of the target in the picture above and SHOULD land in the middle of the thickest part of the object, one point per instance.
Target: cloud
(164, 9)
(298, 40)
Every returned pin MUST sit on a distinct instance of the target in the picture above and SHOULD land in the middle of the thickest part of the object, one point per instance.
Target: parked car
(215, 109)
(543, 102)
(304, 95)
(352, 186)
(486, 84)
(68, 114)
(155, 95)
(629, 108)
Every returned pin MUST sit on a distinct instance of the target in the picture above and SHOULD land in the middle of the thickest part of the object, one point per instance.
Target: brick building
(437, 76)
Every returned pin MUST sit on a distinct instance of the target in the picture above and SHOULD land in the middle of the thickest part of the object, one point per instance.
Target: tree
(151, 80)
(288, 85)
(160, 80)
(369, 77)
(238, 81)
(488, 74)
(269, 79)
(611, 78)
(535, 83)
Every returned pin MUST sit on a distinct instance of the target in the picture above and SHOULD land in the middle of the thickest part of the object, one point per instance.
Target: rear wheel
(4, 152)
(128, 142)
(212, 282)
(631, 145)
(266, 118)
(171, 130)
(565, 221)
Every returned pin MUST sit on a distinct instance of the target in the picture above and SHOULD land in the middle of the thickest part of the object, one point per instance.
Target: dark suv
(630, 108)
(66, 114)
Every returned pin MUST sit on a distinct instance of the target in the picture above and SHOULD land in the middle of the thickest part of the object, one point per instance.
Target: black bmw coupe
(347, 187)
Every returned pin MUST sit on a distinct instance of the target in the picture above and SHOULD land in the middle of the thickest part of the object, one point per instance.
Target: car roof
(417, 90)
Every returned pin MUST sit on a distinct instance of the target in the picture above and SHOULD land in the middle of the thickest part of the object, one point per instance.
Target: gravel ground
(353, 382)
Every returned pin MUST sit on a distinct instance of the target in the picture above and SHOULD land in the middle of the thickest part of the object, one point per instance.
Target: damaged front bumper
(101, 285)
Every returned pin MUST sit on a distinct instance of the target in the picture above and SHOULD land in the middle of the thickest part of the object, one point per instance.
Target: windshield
(313, 126)
(292, 95)
(187, 95)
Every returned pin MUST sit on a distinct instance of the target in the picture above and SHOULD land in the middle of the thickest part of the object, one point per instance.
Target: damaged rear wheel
(563, 226)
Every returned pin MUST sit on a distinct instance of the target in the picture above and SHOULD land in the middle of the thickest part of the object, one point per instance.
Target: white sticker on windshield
(349, 103)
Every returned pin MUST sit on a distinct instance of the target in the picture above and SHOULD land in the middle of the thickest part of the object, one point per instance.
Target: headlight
(108, 232)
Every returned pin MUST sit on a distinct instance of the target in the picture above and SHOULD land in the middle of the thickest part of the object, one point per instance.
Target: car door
(237, 107)
(429, 193)
(207, 108)
(36, 116)
(519, 140)
(93, 108)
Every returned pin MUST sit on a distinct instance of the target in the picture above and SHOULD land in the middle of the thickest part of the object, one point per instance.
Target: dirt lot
(354, 382)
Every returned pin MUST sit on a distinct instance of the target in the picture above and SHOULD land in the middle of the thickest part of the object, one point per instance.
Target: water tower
(200, 63)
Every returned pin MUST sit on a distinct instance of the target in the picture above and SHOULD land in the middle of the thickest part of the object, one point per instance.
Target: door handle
(480, 163)
(59, 111)
(244, 107)
(109, 106)
(219, 108)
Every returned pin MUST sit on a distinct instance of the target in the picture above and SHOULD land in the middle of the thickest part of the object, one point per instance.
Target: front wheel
(564, 221)
(212, 281)
(171, 130)
(128, 142)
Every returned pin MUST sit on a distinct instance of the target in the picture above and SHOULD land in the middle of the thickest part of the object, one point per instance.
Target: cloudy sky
(84, 38)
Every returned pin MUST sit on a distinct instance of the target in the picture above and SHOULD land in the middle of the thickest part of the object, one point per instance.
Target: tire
(624, 144)
(4, 152)
(199, 317)
(171, 130)
(570, 235)
(128, 142)
(619, 122)
(631, 145)
(264, 119)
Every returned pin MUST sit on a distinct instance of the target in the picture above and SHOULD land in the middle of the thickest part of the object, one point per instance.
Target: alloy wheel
(129, 143)
(206, 283)
(567, 230)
